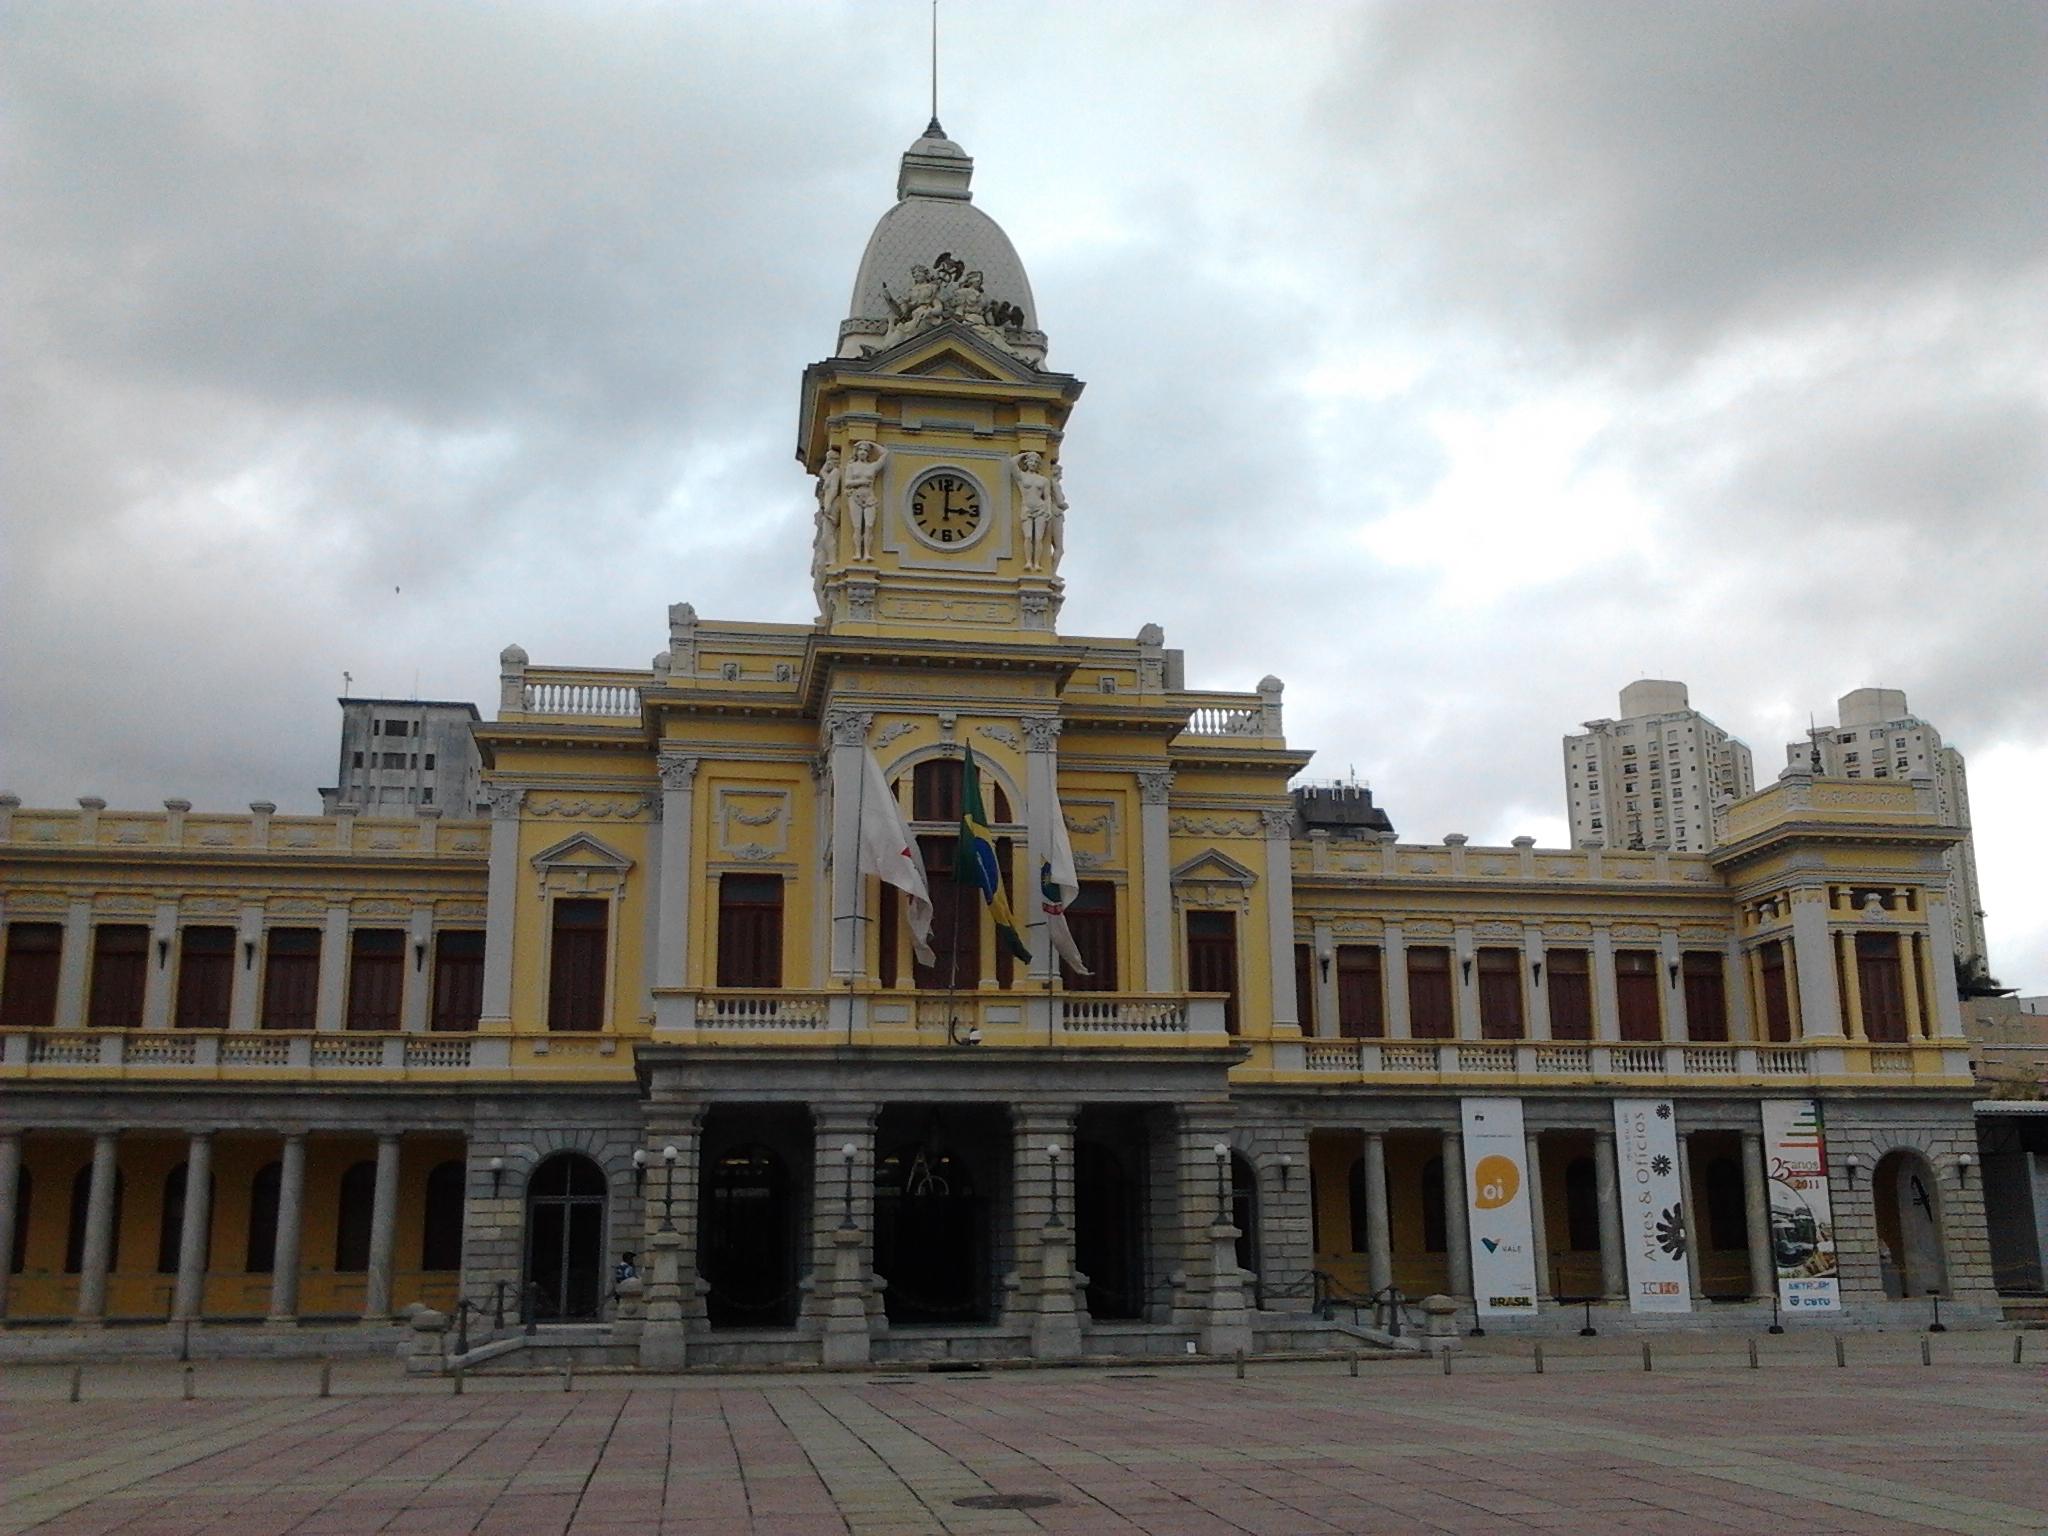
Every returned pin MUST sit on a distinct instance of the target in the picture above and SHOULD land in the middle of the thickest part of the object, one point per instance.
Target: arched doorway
(1244, 1215)
(747, 1244)
(931, 1234)
(1910, 1250)
(565, 1229)
(1108, 1232)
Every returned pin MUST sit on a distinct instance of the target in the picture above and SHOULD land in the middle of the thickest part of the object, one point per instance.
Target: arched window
(441, 1231)
(565, 1237)
(81, 1200)
(24, 1188)
(1435, 1234)
(935, 793)
(353, 1206)
(1581, 1205)
(261, 1256)
(1727, 1220)
(1244, 1212)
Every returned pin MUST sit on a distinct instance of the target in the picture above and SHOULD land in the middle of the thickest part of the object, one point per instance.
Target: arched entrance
(565, 1229)
(1910, 1250)
(1108, 1232)
(1244, 1215)
(747, 1249)
(932, 1238)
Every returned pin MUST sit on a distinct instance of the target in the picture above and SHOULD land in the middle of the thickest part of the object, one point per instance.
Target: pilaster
(1155, 855)
(501, 909)
(673, 875)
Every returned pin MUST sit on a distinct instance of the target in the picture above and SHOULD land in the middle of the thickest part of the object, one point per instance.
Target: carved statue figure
(857, 481)
(1034, 506)
(1056, 541)
(825, 531)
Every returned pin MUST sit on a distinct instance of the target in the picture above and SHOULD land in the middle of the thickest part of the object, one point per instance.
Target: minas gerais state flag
(975, 862)
(887, 852)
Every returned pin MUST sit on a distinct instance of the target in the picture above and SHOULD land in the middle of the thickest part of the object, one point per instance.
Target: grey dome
(934, 216)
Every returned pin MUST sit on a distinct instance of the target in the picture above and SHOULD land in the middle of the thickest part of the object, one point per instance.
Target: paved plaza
(1700, 1444)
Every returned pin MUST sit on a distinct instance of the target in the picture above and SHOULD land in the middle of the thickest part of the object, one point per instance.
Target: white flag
(887, 851)
(1057, 882)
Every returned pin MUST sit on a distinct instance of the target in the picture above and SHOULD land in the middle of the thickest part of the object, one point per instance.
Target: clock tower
(934, 432)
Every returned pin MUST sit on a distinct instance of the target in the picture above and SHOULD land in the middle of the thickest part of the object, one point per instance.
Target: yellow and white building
(298, 1072)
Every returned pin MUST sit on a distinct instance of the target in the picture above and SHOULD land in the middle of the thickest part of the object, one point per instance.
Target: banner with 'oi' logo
(1497, 1208)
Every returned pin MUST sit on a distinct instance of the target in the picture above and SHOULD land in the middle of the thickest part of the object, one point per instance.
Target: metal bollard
(1447, 1362)
(1539, 1359)
(1841, 1354)
(458, 1381)
(1752, 1354)
(569, 1373)
(1926, 1351)
(1240, 1365)
(326, 1378)
(188, 1383)
(77, 1381)
(2019, 1341)
(1646, 1357)
(184, 1340)
(1351, 1355)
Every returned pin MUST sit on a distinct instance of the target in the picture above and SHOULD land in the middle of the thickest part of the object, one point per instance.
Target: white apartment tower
(1877, 737)
(1659, 776)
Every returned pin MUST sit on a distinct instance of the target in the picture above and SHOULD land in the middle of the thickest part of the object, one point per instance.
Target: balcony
(280, 1055)
(1554, 1063)
(875, 1017)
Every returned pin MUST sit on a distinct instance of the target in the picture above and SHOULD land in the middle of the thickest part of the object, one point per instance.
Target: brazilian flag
(974, 862)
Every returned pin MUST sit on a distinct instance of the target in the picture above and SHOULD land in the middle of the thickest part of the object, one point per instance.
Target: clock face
(946, 509)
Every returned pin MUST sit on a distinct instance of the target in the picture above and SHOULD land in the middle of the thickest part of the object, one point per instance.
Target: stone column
(1323, 951)
(1947, 1022)
(1042, 1196)
(1756, 1216)
(1539, 1230)
(71, 965)
(1852, 985)
(10, 1207)
(244, 1000)
(1607, 1190)
(1733, 973)
(678, 824)
(1539, 983)
(842, 1230)
(1909, 975)
(1279, 829)
(1155, 856)
(1041, 798)
(1690, 1209)
(291, 1204)
(848, 732)
(383, 1230)
(669, 1208)
(156, 984)
(99, 1229)
(1457, 1236)
(1464, 984)
(418, 982)
(1760, 1025)
(502, 906)
(1379, 1256)
(188, 1297)
(1672, 984)
(332, 998)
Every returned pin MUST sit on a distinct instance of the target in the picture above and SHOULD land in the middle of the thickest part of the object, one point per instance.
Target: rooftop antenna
(935, 68)
(1813, 741)
(348, 681)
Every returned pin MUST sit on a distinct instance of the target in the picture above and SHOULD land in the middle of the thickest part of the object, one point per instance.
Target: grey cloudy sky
(1459, 363)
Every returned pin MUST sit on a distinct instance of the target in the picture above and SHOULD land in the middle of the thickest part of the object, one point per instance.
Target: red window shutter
(1430, 1012)
(120, 975)
(28, 997)
(1571, 994)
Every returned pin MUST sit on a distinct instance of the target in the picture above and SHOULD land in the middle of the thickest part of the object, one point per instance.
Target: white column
(1756, 1212)
(1948, 1008)
(1694, 1236)
(1394, 967)
(1672, 984)
(383, 1229)
(10, 1206)
(502, 905)
(71, 965)
(1457, 1237)
(1464, 981)
(1539, 985)
(1539, 1230)
(163, 953)
(242, 1000)
(98, 1250)
(419, 954)
(332, 997)
(848, 732)
(1279, 828)
(1820, 1010)
(1379, 1255)
(678, 822)
(1735, 984)
(1155, 854)
(188, 1298)
(1606, 1002)
(291, 1204)
(1607, 1191)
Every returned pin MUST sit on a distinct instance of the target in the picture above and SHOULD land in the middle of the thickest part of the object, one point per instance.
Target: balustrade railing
(761, 1010)
(1123, 1016)
(1221, 720)
(610, 699)
(230, 1052)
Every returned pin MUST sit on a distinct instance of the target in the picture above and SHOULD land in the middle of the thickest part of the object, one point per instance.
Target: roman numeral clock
(946, 509)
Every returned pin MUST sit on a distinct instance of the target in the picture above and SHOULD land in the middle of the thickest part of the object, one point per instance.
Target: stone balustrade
(206, 1053)
(1609, 1061)
(872, 1016)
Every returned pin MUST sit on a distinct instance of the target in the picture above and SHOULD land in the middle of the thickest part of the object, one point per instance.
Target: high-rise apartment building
(402, 756)
(1877, 737)
(1656, 777)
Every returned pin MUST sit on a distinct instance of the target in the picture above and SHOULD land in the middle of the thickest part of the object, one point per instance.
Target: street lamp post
(1052, 1158)
(847, 1153)
(1222, 1151)
(669, 1154)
